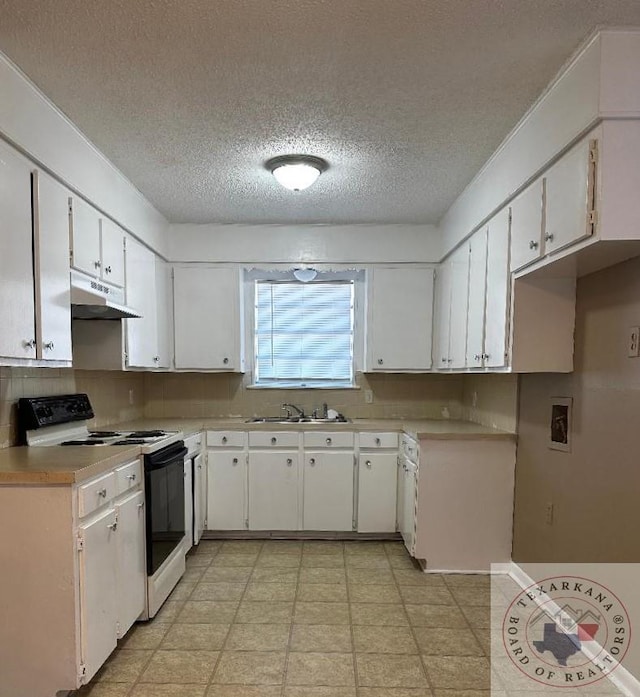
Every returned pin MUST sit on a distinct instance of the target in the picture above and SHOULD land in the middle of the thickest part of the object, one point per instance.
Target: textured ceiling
(406, 99)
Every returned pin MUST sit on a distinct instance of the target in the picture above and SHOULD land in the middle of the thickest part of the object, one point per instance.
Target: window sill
(299, 387)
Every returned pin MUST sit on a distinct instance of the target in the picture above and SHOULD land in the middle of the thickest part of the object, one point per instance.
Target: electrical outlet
(548, 513)
(368, 396)
(633, 342)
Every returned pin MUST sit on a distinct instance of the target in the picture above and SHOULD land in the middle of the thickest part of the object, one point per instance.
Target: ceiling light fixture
(296, 172)
(305, 275)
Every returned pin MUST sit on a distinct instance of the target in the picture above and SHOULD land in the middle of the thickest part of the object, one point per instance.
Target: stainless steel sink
(296, 420)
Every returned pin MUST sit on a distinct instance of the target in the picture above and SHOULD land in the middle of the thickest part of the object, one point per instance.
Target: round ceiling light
(296, 172)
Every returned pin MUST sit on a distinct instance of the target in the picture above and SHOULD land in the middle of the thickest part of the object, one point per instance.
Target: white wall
(34, 124)
(304, 243)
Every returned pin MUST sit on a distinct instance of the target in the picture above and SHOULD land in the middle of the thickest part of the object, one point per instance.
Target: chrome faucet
(289, 407)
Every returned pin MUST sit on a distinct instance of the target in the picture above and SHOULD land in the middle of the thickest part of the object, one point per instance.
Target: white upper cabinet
(84, 227)
(112, 252)
(164, 312)
(207, 326)
(18, 333)
(570, 197)
(477, 298)
(498, 287)
(141, 333)
(452, 290)
(526, 226)
(399, 319)
(51, 263)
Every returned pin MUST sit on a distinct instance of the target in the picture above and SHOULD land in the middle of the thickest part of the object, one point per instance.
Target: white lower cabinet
(199, 497)
(328, 491)
(377, 481)
(407, 519)
(273, 490)
(226, 490)
(98, 560)
(188, 505)
(131, 568)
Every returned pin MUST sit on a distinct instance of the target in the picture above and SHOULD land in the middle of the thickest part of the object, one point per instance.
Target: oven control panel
(36, 412)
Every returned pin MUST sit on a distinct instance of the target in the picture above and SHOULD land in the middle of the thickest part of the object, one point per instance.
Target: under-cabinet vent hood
(93, 299)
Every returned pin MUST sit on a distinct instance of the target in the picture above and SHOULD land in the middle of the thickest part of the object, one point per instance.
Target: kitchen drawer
(193, 443)
(324, 439)
(373, 441)
(96, 493)
(271, 439)
(128, 476)
(226, 439)
(409, 448)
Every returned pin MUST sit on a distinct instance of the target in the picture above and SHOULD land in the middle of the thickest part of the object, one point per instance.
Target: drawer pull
(131, 477)
(225, 361)
(378, 441)
(224, 439)
(274, 441)
(368, 464)
(312, 462)
(380, 361)
(329, 441)
(102, 493)
(289, 462)
(234, 461)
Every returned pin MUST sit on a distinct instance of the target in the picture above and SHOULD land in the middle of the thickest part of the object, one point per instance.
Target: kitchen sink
(296, 420)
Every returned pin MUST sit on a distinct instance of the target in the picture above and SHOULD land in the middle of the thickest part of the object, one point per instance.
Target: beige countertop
(69, 464)
(61, 465)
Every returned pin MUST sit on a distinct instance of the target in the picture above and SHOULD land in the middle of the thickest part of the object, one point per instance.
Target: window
(304, 333)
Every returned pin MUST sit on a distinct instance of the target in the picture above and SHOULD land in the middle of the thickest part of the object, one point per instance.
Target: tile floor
(309, 619)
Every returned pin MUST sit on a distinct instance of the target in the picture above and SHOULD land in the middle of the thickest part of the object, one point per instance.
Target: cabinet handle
(200, 466)
(131, 477)
(476, 357)
(380, 361)
(108, 269)
(235, 461)
(444, 360)
(329, 441)
(225, 360)
(449, 360)
(368, 464)
(533, 244)
(274, 441)
(103, 493)
(97, 264)
(289, 462)
(156, 359)
(141, 506)
(378, 441)
(29, 343)
(312, 461)
(113, 526)
(485, 356)
(48, 346)
(224, 439)
(549, 237)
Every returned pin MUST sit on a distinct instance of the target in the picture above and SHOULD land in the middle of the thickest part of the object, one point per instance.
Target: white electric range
(63, 421)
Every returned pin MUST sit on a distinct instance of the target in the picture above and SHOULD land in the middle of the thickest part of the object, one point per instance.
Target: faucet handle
(285, 408)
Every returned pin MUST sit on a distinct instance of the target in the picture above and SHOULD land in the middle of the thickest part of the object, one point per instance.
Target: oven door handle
(179, 455)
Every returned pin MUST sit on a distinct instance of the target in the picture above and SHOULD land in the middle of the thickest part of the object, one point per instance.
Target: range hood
(93, 299)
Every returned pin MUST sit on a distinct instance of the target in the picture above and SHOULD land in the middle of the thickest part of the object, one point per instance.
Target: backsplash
(219, 395)
(109, 393)
(491, 400)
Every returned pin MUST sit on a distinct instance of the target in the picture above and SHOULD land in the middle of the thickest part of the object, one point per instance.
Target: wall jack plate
(633, 342)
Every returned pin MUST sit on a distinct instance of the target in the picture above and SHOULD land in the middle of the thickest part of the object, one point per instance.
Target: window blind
(304, 334)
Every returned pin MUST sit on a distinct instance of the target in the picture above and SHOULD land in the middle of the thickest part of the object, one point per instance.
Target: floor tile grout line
(291, 625)
(233, 620)
(425, 672)
(351, 629)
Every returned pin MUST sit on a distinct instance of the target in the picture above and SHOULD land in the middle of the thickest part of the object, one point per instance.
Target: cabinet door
(188, 505)
(226, 487)
(569, 198)
(98, 560)
(526, 226)
(273, 490)
(84, 225)
(206, 318)
(164, 313)
(477, 296)
(442, 316)
(377, 481)
(407, 525)
(328, 491)
(18, 332)
(400, 305)
(402, 467)
(141, 333)
(131, 569)
(498, 291)
(51, 264)
(459, 306)
(199, 497)
(112, 252)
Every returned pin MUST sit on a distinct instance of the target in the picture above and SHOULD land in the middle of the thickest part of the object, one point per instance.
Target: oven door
(164, 493)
